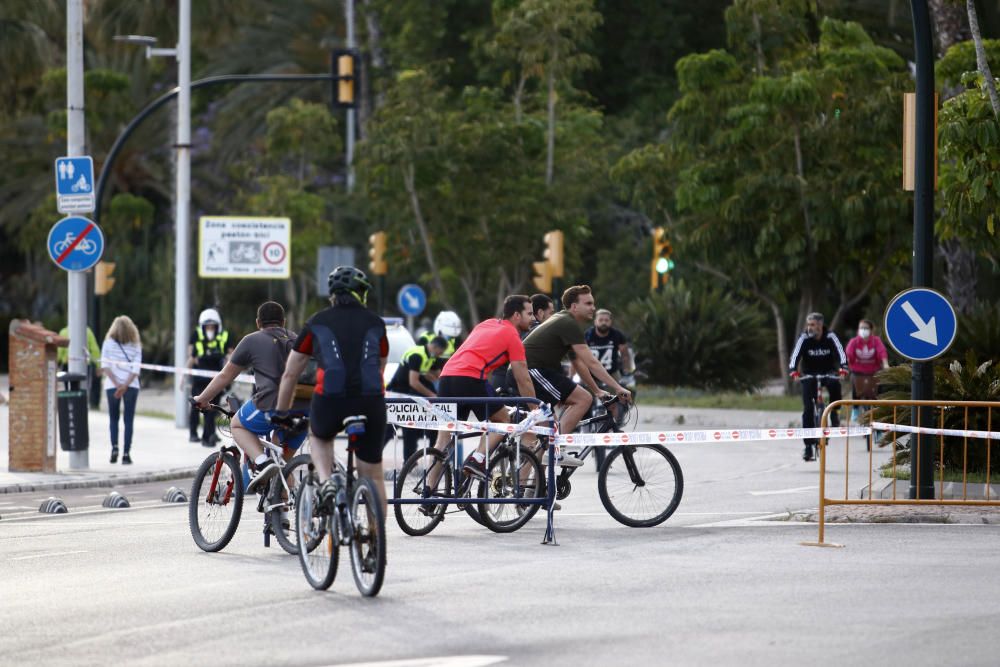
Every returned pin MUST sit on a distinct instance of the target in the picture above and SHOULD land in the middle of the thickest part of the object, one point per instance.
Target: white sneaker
(263, 473)
(568, 461)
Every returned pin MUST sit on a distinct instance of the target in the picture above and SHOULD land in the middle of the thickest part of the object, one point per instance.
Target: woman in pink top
(866, 355)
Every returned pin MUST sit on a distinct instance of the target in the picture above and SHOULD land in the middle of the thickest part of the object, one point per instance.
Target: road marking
(798, 489)
(37, 516)
(49, 555)
(441, 661)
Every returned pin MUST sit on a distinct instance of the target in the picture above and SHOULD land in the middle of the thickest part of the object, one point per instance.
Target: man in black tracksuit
(821, 353)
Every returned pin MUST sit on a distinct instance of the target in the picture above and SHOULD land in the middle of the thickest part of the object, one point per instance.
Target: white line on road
(798, 489)
(49, 555)
(441, 661)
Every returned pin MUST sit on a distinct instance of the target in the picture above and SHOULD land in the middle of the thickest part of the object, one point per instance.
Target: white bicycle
(86, 246)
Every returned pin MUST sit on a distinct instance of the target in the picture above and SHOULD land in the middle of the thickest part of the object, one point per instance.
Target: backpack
(305, 385)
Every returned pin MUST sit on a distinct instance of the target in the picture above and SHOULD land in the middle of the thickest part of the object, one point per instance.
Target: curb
(101, 482)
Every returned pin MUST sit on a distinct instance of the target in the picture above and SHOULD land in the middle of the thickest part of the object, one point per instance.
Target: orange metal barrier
(892, 422)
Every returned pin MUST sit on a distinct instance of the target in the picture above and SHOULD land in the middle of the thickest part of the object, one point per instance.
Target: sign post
(921, 325)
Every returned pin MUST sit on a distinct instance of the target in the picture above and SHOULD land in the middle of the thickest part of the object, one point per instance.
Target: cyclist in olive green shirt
(547, 344)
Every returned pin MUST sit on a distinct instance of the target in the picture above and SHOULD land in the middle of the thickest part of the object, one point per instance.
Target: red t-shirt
(491, 344)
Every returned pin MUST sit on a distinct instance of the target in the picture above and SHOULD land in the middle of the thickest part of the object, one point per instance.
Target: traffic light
(662, 264)
(103, 282)
(554, 252)
(345, 77)
(376, 253)
(543, 276)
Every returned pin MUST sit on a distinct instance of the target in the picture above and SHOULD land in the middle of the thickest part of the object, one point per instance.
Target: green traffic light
(663, 265)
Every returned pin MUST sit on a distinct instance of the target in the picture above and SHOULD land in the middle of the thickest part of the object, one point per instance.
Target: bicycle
(353, 518)
(500, 481)
(86, 246)
(216, 501)
(819, 405)
(640, 485)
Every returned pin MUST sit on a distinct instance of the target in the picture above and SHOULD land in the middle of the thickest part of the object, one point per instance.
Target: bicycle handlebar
(213, 407)
(827, 376)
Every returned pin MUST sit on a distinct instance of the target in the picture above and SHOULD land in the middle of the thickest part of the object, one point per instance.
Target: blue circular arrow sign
(75, 244)
(920, 324)
(411, 300)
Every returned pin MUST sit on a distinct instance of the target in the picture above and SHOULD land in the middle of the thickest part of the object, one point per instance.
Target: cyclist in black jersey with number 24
(350, 346)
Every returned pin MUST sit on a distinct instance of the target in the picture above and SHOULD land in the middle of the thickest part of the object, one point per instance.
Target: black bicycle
(513, 472)
(639, 485)
(352, 518)
(215, 505)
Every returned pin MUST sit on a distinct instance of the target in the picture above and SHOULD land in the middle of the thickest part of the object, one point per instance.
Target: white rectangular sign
(244, 247)
(401, 413)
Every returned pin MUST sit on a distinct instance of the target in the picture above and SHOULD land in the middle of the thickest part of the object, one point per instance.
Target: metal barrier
(889, 423)
(447, 422)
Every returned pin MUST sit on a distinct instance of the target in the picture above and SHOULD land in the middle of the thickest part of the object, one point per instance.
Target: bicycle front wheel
(419, 520)
(368, 539)
(216, 502)
(510, 475)
(320, 550)
(640, 486)
(294, 471)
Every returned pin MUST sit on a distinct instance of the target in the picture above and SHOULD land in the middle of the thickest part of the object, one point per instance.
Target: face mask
(209, 333)
(864, 333)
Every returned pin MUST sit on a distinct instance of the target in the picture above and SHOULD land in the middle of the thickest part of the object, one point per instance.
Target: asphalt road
(714, 585)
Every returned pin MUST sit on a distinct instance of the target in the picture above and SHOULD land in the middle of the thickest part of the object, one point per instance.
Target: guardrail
(893, 434)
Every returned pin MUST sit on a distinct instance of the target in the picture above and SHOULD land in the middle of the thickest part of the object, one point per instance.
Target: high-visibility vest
(216, 346)
(428, 336)
(426, 360)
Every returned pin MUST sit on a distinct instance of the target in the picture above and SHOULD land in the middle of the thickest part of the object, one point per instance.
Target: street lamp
(183, 193)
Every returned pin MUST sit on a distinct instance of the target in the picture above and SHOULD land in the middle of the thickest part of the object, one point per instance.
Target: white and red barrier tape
(929, 430)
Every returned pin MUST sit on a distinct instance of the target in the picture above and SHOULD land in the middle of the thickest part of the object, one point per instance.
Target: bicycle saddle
(355, 425)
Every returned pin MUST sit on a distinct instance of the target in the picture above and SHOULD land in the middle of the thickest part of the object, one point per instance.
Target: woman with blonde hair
(121, 355)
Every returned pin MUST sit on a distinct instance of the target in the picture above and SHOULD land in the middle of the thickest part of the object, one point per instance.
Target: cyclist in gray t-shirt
(265, 351)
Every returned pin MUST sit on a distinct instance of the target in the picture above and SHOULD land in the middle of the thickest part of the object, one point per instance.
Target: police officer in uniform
(412, 377)
(208, 350)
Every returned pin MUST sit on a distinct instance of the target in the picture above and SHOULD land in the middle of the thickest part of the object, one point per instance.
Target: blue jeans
(131, 394)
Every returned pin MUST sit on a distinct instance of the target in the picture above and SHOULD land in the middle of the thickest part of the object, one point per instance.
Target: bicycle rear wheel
(419, 520)
(508, 477)
(368, 540)
(216, 502)
(282, 521)
(640, 486)
(314, 530)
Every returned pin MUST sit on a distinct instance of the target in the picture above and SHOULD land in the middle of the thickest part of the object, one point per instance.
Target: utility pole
(75, 145)
(923, 238)
(182, 208)
(349, 142)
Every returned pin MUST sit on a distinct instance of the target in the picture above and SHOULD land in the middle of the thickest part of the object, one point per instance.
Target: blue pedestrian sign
(411, 300)
(920, 324)
(75, 184)
(75, 244)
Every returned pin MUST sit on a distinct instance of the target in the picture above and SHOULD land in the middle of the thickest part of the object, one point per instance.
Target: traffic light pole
(923, 238)
(349, 124)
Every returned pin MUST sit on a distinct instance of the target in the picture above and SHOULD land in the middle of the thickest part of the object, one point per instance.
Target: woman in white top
(121, 355)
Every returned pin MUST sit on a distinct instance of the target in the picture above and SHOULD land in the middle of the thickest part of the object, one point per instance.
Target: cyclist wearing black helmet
(350, 346)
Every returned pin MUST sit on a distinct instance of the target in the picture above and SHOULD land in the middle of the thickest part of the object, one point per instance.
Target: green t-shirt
(93, 349)
(549, 342)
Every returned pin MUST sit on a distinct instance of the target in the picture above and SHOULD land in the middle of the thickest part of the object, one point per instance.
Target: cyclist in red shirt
(491, 344)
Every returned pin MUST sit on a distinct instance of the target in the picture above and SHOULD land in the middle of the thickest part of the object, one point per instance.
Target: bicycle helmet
(348, 279)
(448, 324)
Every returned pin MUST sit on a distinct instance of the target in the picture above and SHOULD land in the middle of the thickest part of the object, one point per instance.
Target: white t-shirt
(122, 359)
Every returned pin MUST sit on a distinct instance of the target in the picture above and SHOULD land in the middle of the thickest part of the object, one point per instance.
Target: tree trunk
(960, 277)
(418, 216)
(981, 62)
(370, 101)
(761, 63)
(551, 149)
(949, 24)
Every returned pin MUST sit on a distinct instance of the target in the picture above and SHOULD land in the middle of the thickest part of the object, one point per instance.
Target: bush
(978, 330)
(958, 381)
(701, 337)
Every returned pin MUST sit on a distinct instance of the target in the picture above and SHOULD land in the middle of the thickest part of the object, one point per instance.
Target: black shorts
(326, 420)
(459, 386)
(551, 385)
